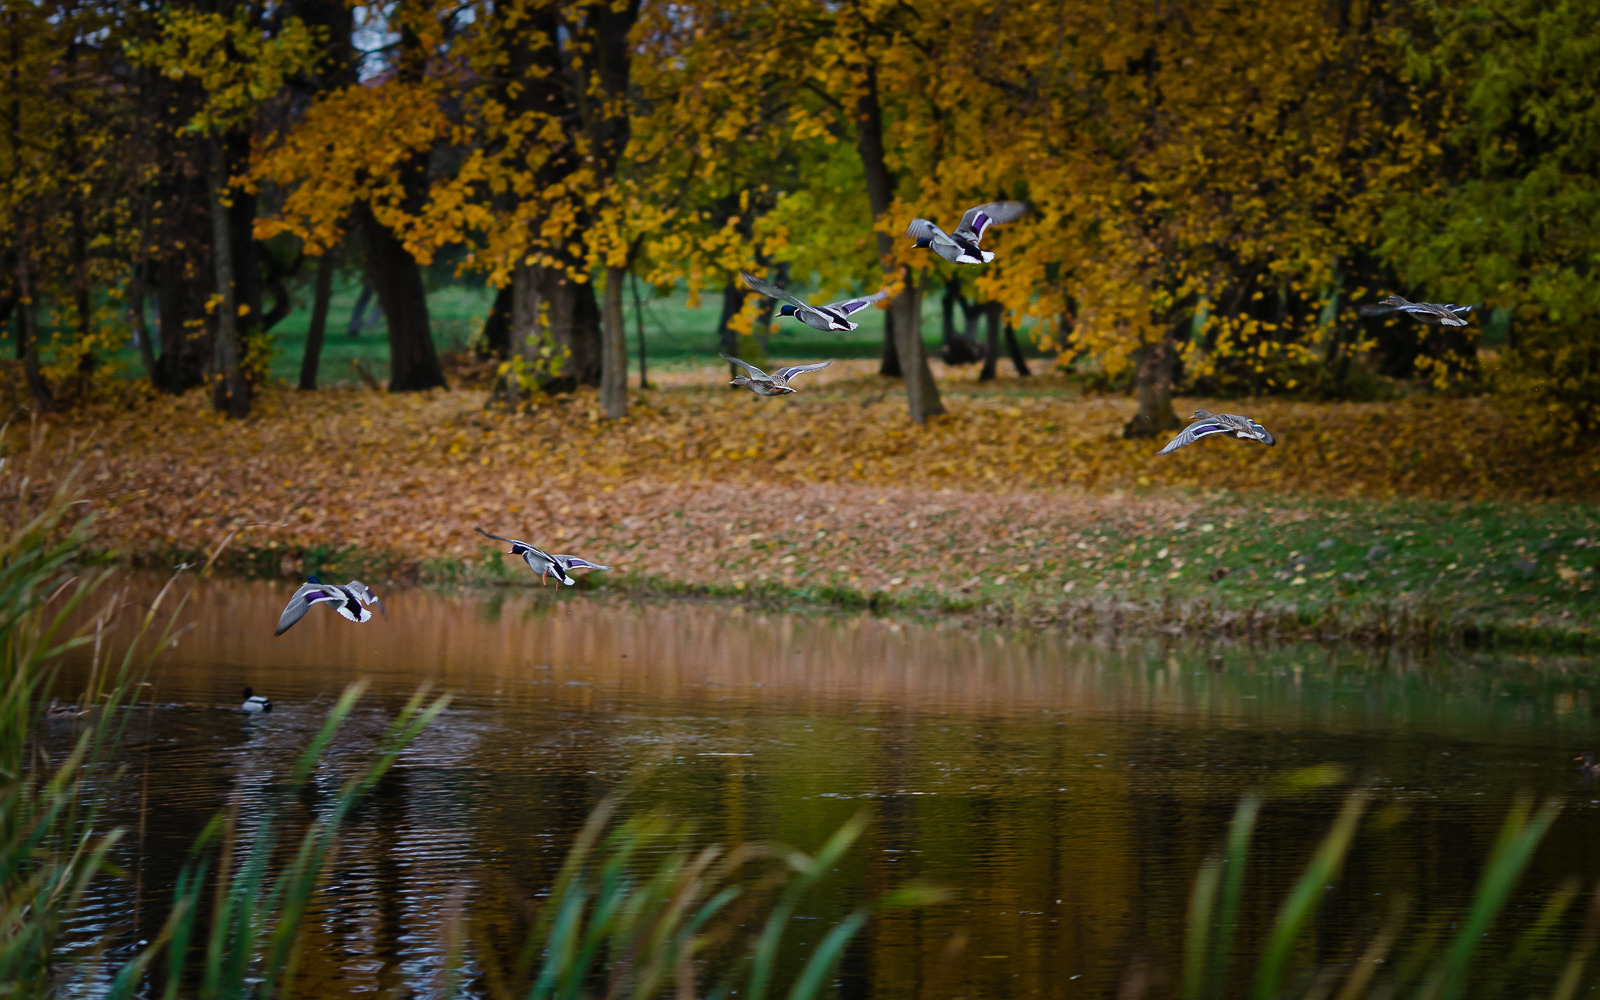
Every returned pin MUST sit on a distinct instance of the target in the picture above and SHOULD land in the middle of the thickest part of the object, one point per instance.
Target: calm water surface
(1066, 791)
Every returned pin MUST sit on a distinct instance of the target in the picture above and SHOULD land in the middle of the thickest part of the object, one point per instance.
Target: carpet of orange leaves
(702, 485)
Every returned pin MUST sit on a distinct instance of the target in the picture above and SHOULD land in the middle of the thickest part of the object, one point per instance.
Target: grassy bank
(1409, 519)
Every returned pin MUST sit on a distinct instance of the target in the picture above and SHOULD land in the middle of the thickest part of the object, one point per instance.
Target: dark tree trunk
(574, 319)
(614, 349)
(1157, 364)
(413, 362)
(889, 360)
(230, 390)
(28, 335)
(312, 359)
(496, 340)
(1015, 349)
(638, 323)
(922, 395)
(993, 313)
(732, 301)
(358, 312)
(183, 289)
(957, 348)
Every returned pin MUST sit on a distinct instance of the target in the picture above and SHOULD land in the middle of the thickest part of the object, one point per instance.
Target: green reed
(1428, 958)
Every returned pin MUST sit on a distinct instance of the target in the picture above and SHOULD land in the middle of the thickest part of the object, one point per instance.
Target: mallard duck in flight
(833, 316)
(546, 565)
(349, 600)
(1438, 314)
(776, 384)
(1207, 424)
(961, 247)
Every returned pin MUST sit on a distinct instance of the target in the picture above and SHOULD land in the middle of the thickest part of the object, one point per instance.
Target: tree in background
(1506, 211)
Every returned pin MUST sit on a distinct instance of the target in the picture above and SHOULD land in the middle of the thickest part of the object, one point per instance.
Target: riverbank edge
(1369, 623)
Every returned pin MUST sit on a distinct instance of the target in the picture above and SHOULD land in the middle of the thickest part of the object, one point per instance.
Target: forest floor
(1424, 517)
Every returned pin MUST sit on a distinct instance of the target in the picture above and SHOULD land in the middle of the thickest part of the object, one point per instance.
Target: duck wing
(977, 220)
(752, 369)
(785, 374)
(771, 291)
(1204, 427)
(365, 595)
(845, 307)
(577, 562)
(1454, 315)
(301, 602)
(499, 538)
(921, 229)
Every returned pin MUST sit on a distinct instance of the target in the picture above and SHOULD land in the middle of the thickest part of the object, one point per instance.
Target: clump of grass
(1408, 956)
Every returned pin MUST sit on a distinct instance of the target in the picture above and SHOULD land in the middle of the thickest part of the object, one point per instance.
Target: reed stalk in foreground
(1428, 958)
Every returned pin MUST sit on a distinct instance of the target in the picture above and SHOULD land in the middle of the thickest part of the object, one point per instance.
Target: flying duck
(546, 565)
(962, 246)
(1207, 424)
(776, 384)
(1446, 314)
(260, 703)
(832, 316)
(349, 600)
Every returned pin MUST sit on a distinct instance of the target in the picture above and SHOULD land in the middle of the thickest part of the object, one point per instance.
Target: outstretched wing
(501, 538)
(977, 221)
(752, 369)
(770, 290)
(577, 562)
(365, 595)
(301, 602)
(1455, 315)
(1193, 433)
(845, 307)
(921, 229)
(785, 374)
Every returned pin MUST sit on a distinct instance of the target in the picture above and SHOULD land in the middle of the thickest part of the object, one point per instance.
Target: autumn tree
(1504, 210)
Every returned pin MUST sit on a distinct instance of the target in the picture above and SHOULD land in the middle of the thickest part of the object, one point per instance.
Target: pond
(1065, 790)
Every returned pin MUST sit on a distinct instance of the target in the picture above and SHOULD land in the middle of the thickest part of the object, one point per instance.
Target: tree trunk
(28, 335)
(312, 358)
(230, 392)
(1156, 366)
(991, 358)
(413, 363)
(922, 395)
(889, 360)
(574, 322)
(136, 306)
(522, 330)
(496, 339)
(1015, 349)
(614, 349)
(638, 322)
(732, 302)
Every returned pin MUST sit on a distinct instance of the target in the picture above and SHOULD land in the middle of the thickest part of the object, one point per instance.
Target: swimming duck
(1207, 424)
(1587, 766)
(962, 246)
(558, 565)
(61, 710)
(776, 384)
(349, 600)
(259, 703)
(832, 316)
(1446, 314)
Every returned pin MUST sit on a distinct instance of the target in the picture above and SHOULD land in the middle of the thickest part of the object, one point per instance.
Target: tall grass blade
(1302, 898)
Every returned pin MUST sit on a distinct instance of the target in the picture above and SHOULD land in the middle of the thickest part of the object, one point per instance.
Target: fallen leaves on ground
(706, 487)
